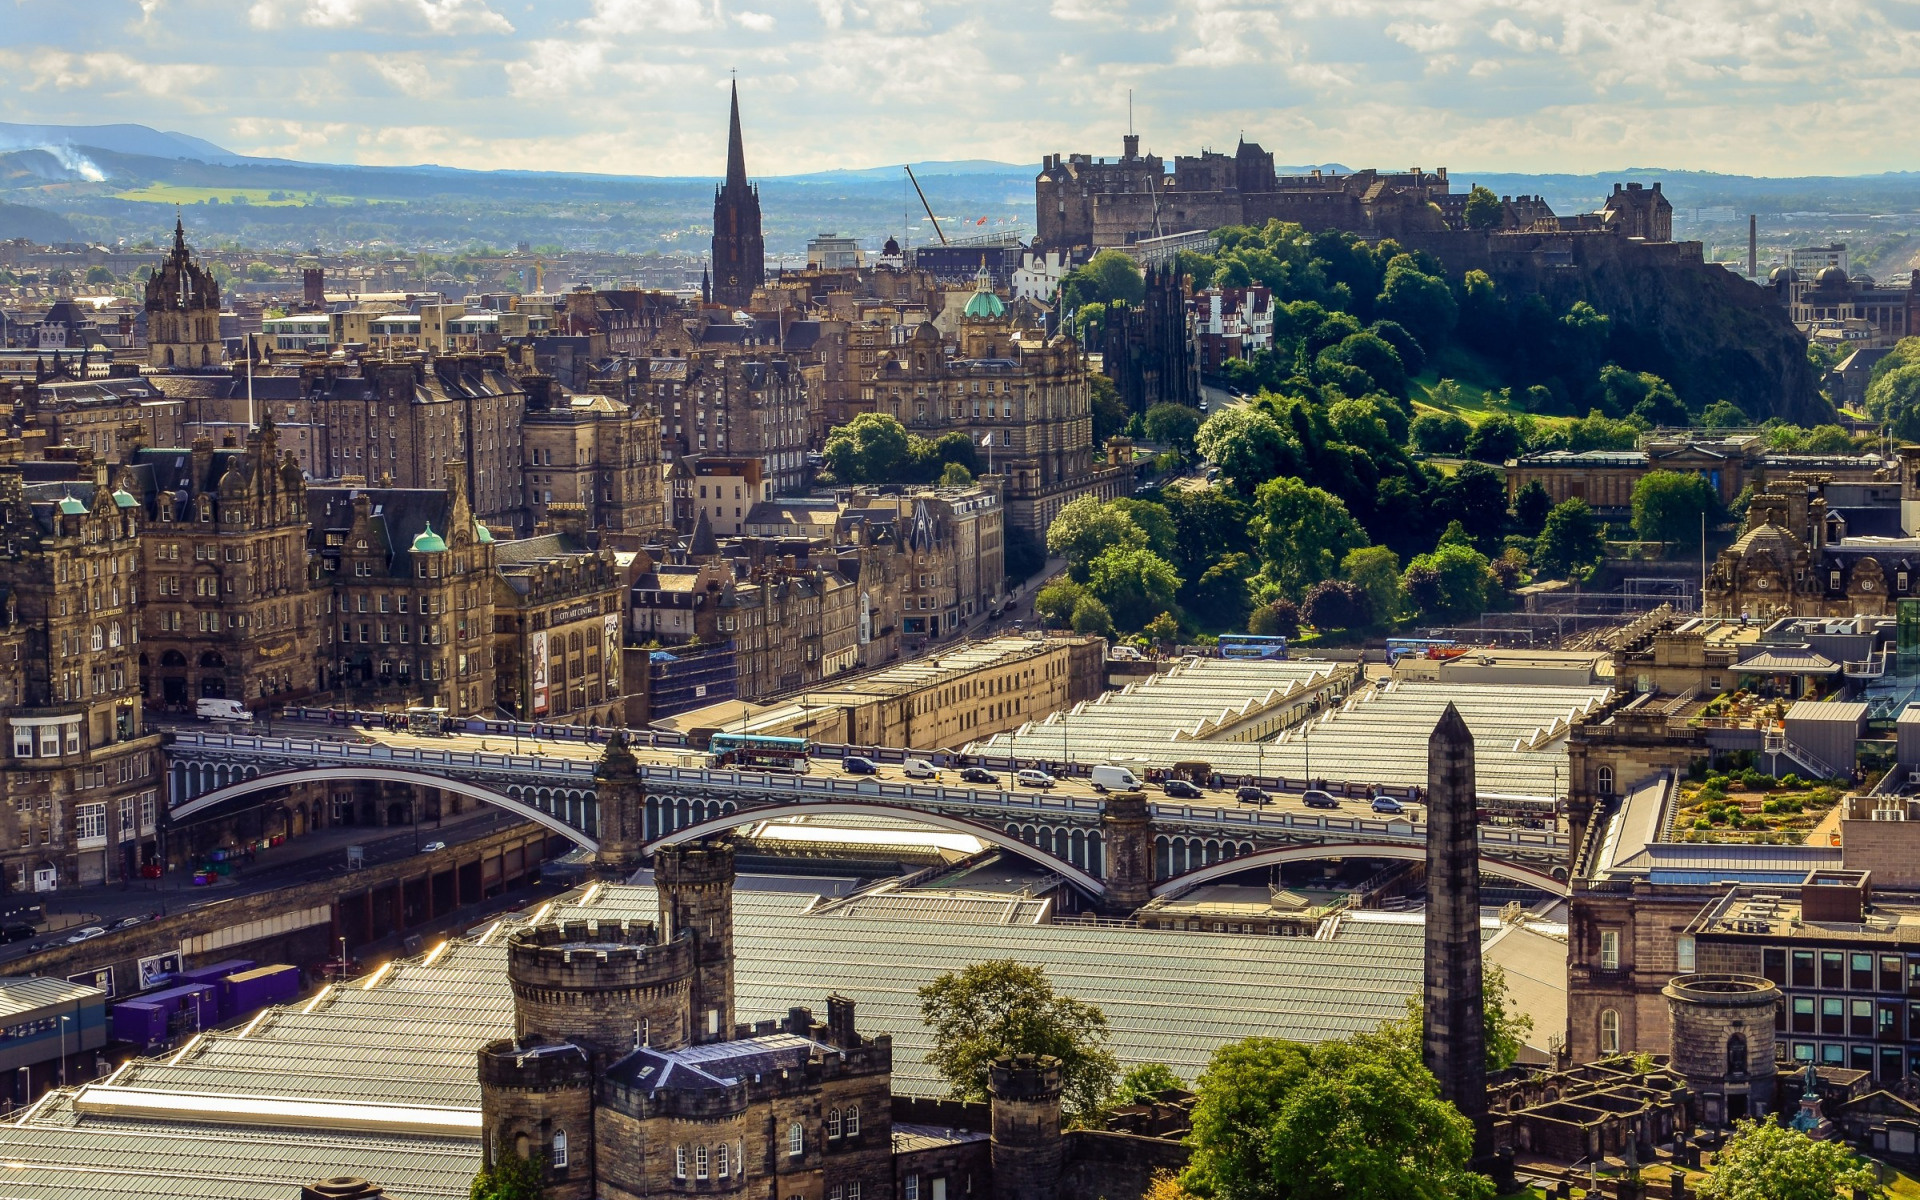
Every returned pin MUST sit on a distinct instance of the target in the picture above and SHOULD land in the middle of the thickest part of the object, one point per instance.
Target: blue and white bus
(1252, 645)
(758, 752)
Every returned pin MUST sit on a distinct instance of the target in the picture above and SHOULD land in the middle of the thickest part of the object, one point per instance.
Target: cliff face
(1711, 334)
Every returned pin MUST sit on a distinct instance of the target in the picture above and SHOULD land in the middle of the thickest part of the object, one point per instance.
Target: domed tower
(695, 885)
(1723, 1043)
(1027, 1146)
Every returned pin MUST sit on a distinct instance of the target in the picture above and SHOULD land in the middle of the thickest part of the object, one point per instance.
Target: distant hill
(35, 224)
(123, 139)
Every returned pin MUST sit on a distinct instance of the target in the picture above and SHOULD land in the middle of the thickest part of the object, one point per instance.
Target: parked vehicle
(127, 922)
(1252, 795)
(434, 846)
(1315, 798)
(1033, 778)
(1182, 789)
(1388, 805)
(208, 709)
(854, 764)
(978, 775)
(1118, 779)
(10, 934)
(1126, 654)
(920, 768)
(87, 934)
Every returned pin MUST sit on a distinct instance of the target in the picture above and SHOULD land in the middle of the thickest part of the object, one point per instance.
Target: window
(1860, 1018)
(89, 821)
(1889, 972)
(720, 1162)
(23, 741)
(1603, 781)
(853, 1121)
(1610, 950)
(699, 1162)
(1683, 952)
(1860, 972)
(911, 1187)
(1609, 1032)
(560, 1148)
(853, 1190)
(797, 1137)
(833, 1122)
(1803, 1014)
(1803, 968)
(679, 1162)
(1831, 975)
(1832, 1014)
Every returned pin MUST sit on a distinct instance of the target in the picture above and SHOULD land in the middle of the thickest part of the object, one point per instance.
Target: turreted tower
(695, 886)
(1027, 1146)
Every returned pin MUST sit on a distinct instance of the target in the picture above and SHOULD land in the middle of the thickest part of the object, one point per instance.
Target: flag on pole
(987, 440)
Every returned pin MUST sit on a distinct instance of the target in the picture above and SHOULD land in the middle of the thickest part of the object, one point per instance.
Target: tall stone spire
(736, 150)
(1453, 1034)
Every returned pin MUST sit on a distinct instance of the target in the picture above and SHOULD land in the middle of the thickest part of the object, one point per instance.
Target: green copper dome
(71, 507)
(429, 542)
(124, 498)
(482, 534)
(985, 304)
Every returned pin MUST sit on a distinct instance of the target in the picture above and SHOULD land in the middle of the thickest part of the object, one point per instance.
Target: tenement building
(558, 627)
(597, 451)
(232, 610)
(81, 776)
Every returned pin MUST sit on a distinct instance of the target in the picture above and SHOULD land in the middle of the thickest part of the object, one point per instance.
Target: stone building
(739, 252)
(232, 607)
(1816, 547)
(950, 547)
(745, 405)
(183, 311)
(558, 628)
(1146, 350)
(410, 578)
(596, 451)
(82, 774)
(1640, 212)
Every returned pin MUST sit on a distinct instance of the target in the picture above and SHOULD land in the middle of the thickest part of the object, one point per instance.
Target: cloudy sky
(1766, 87)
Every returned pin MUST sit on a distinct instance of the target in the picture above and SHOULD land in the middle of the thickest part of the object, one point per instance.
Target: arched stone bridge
(1184, 845)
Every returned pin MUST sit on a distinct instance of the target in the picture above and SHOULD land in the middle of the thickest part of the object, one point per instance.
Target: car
(10, 934)
(126, 922)
(1388, 805)
(978, 775)
(434, 846)
(1181, 789)
(87, 934)
(854, 764)
(1315, 798)
(920, 768)
(1126, 654)
(1252, 795)
(1033, 778)
(1213, 473)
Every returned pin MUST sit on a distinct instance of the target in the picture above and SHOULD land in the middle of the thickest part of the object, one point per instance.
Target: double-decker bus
(758, 752)
(1252, 645)
(1399, 648)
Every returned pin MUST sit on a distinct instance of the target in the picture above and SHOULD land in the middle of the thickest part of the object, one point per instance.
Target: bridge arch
(252, 783)
(1307, 853)
(986, 833)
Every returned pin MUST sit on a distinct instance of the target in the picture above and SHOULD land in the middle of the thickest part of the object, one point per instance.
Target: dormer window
(1833, 580)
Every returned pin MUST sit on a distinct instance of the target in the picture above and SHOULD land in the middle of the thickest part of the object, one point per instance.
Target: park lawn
(174, 193)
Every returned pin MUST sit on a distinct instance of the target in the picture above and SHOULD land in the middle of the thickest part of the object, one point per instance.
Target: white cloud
(758, 22)
(441, 17)
(653, 16)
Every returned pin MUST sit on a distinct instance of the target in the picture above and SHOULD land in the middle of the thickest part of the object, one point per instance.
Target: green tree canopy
(1439, 433)
(1247, 444)
(1494, 440)
(1668, 506)
(1054, 603)
(1163, 536)
(1087, 526)
(1459, 582)
(1504, 1028)
(1144, 1083)
(511, 1177)
(1091, 616)
(1000, 1007)
(1571, 540)
(868, 449)
(1766, 1161)
(1109, 414)
(1134, 583)
(1723, 414)
(1303, 532)
(1343, 1120)
(1484, 210)
(1172, 425)
(1336, 604)
(1276, 618)
(1109, 276)
(955, 475)
(1375, 570)
(1476, 497)
(1420, 301)
(1531, 504)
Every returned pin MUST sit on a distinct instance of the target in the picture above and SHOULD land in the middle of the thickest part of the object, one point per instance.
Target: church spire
(179, 235)
(736, 150)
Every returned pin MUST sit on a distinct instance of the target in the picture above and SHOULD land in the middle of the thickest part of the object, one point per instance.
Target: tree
(1439, 433)
(1109, 276)
(1484, 210)
(1109, 414)
(1503, 1028)
(1091, 616)
(1000, 1007)
(1375, 570)
(1336, 604)
(1144, 1083)
(1723, 414)
(955, 475)
(1279, 618)
(1172, 425)
(1571, 540)
(1413, 355)
(1154, 520)
(1054, 603)
(1133, 583)
(1530, 508)
(1085, 528)
(1668, 506)
(1494, 440)
(1421, 583)
(1476, 497)
(1460, 581)
(1303, 533)
(868, 449)
(1765, 1161)
(1827, 439)
(511, 1177)
(100, 277)
(1218, 598)
(1162, 630)
(1344, 1120)
(1374, 355)
(1421, 302)
(1247, 444)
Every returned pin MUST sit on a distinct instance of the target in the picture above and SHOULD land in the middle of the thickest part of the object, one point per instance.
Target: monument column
(623, 809)
(1453, 1033)
(1126, 838)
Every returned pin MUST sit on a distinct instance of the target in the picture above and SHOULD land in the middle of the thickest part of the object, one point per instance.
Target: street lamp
(343, 960)
(64, 1018)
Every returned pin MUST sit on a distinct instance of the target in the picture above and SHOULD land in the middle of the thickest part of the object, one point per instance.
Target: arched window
(833, 1122)
(1737, 1055)
(1609, 1032)
(1603, 781)
(853, 1121)
(99, 638)
(559, 1148)
(113, 635)
(796, 1140)
(699, 1162)
(520, 1145)
(720, 1162)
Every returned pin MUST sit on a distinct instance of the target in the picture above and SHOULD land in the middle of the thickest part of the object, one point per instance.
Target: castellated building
(628, 1073)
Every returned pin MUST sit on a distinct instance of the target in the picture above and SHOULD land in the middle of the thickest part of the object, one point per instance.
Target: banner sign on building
(156, 967)
(538, 651)
(610, 655)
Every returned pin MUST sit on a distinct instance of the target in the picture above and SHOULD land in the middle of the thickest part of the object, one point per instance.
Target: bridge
(1187, 844)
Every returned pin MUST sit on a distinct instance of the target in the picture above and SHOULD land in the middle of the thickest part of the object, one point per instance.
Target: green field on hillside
(173, 193)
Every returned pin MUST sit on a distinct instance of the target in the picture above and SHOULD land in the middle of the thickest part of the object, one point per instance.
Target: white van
(1117, 779)
(920, 768)
(221, 710)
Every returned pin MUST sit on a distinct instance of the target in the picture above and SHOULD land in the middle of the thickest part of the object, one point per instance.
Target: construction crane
(928, 207)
